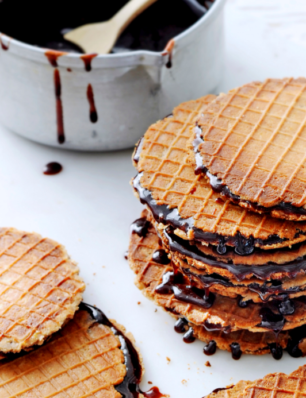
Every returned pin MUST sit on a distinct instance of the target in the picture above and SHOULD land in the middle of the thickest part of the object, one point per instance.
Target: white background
(90, 205)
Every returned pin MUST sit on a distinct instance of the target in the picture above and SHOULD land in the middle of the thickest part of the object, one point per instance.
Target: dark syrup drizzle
(180, 325)
(140, 227)
(174, 283)
(59, 107)
(224, 191)
(286, 307)
(4, 46)
(165, 215)
(126, 255)
(189, 336)
(276, 351)
(93, 114)
(270, 320)
(87, 58)
(53, 168)
(236, 351)
(210, 348)
(241, 272)
(53, 56)
(129, 388)
(161, 257)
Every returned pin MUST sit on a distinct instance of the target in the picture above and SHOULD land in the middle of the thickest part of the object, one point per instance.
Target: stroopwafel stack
(232, 277)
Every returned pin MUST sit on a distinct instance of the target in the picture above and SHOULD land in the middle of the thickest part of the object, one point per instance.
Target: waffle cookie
(271, 386)
(251, 145)
(211, 317)
(167, 184)
(90, 357)
(40, 289)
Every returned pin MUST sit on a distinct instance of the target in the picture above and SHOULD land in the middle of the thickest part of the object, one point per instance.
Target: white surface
(90, 205)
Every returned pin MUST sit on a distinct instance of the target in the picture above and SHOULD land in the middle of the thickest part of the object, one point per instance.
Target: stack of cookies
(51, 344)
(222, 242)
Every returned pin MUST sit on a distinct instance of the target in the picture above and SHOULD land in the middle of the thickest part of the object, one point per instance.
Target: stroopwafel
(40, 289)
(251, 144)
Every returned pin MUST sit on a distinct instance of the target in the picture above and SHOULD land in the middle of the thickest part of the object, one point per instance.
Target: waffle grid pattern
(39, 289)
(169, 175)
(255, 140)
(225, 311)
(84, 360)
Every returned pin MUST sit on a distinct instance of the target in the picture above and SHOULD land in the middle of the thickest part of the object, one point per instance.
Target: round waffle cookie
(158, 279)
(90, 357)
(40, 289)
(167, 184)
(251, 144)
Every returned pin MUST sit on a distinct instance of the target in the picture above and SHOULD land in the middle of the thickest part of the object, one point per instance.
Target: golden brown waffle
(278, 385)
(255, 143)
(224, 312)
(231, 391)
(40, 289)
(167, 175)
(84, 359)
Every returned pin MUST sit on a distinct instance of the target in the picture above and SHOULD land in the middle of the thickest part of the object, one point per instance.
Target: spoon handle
(129, 12)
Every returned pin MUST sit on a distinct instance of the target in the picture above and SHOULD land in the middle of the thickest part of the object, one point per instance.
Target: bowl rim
(141, 56)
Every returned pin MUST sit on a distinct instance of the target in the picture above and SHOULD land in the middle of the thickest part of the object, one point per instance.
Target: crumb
(94, 273)
(150, 382)
(207, 363)
(168, 359)
(184, 381)
(139, 302)
(103, 266)
(155, 310)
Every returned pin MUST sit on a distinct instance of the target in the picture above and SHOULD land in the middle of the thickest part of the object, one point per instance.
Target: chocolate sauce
(59, 107)
(87, 59)
(242, 303)
(53, 56)
(126, 255)
(53, 168)
(221, 389)
(276, 350)
(296, 337)
(161, 257)
(93, 114)
(174, 283)
(170, 216)
(180, 325)
(210, 348)
(224, 190)
(129, 388)
(189, 336)
(214, 327)
(240, 271)
(286, 307)
(236, 351)
(140, 227)
(4, 46)
(153, 393)
(270, 320)
(138, 150)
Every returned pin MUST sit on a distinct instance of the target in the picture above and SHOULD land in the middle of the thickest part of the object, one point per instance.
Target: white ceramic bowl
(51, 104)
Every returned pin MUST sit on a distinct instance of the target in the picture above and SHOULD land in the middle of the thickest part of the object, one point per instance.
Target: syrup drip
(53, 56)
(286, 307)
(180, 325)
(236, 351)
(4, 46)
(53, 168)
(161, 257)
(297, 335)
(210, 348)
(174, 283)
(126, 255)
(153, 393)
(140, 227)
(87, 58)
(59, 107)
(189, 336)
(270, 320)
(93, 114)
(242, 303)
(276, 350)
(223, 190)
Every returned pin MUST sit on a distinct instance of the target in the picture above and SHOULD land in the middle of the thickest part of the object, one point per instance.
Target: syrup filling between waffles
(163, 214)
(217, 185)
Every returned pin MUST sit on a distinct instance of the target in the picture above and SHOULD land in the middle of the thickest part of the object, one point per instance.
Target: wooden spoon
(101, 37)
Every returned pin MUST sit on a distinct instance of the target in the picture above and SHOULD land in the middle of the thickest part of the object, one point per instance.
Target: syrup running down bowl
(55, 95)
